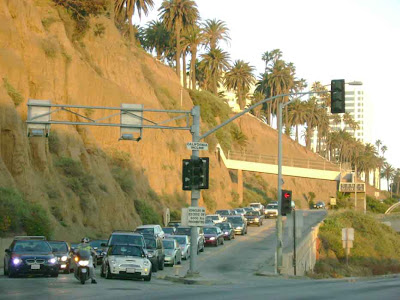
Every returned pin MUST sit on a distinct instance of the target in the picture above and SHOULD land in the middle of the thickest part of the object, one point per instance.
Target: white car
(126, 261)
(257, 206)
(184, 244)
(271, 211)
(155, 230)
(216, 218)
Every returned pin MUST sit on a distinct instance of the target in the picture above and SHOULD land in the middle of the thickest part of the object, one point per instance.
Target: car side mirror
(7, 251)
(103, 245)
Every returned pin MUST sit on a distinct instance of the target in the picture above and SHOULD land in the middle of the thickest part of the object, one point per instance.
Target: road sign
(347, 234)
(196, 216)
(197, 146)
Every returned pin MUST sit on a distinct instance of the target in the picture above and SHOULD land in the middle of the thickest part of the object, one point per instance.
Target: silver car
(184, 244)
(173, 253)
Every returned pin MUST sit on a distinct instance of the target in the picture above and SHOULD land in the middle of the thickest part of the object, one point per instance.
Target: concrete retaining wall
(4, 244)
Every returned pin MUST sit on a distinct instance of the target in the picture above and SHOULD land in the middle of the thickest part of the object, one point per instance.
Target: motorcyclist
(84, 245)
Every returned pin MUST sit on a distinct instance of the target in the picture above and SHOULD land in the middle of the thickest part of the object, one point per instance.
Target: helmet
(85, 240)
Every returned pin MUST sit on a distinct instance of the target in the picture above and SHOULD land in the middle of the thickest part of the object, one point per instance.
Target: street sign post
(347, 241)
(196, 216)
(196, 146)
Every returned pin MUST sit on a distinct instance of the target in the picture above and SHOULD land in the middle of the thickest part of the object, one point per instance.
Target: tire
(147, 278)
(11, 274)
(102, 272)
(5, 272)
(233, 237)
(107, 272)
(202, 248)
(154, 267)
(180, 261)
(83, 281)
(161, 265)
(66, 271)
(222, 242)
(54, 274)
(216, 244)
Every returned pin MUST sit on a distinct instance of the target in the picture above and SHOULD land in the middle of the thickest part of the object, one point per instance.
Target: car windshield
(235, 220)
(168, 230)
(126, 250)
(255, 205)
(181, 240)
(239, 210)
(150, 243)
(168, 244)
(126, 239)
(32, 246)
(210, 230)
(145, 230)
(224, 226)
(97, 243)
(59, 246)
(183, 231)
(253, 213)
(272, 206)
(214, 217)
(223, 212)
(248, 209)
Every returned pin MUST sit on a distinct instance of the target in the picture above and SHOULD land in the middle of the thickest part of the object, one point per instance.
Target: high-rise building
(354, 103)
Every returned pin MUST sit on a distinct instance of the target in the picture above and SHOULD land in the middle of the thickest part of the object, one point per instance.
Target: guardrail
(286, 161)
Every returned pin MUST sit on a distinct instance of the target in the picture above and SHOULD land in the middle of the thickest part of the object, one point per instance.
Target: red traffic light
(286, 195)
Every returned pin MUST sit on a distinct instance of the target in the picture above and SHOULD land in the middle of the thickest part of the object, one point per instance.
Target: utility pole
(279, 225)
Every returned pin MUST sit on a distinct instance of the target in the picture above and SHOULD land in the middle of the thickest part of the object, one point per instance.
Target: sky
(341, 39)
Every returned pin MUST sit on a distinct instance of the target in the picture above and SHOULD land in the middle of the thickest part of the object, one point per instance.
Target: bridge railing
(286, 161)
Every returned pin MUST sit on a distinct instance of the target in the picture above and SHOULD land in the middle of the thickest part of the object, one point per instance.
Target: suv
(258, 206)
(200, 236)
(239, 224)
(155, 230)
(155, 252)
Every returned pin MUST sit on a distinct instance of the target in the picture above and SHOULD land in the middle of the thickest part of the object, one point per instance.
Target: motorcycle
(81, 272)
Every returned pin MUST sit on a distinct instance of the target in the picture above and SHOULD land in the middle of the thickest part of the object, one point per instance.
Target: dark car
(169, 230)
(155, 251)
(213, 236)
(239, 224)
(62, 251)
(30, 255)
(223, 212)
(319, 205)
(99, 249)
(200, 236)
(227, 230)
(254, 217)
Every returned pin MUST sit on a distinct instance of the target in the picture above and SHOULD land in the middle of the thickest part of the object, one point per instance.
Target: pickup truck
(271, 211)
(254, 217)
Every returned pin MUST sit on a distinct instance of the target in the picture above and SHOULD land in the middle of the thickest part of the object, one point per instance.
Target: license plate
(130, 270)
(83, 270)
(35, 267)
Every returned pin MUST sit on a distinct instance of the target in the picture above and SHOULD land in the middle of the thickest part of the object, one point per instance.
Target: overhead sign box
(197, 146)
(196, 216)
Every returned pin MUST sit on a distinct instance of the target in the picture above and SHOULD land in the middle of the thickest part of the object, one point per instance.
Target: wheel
(161, 265)
(11, 273)
(66, 271)
(102, 272)
(202, 248)
(154, 267)
(216, 244)
(5, 271)
(54, 274)
(107, 272)
(83, 281)
(259, 224)
(233, 237)
(147, 278)
(180, 261)
(222, 241)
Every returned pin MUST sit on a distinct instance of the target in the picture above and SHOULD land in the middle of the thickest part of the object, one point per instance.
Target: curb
(191, 281)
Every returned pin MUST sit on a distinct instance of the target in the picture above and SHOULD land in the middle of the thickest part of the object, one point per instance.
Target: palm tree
(156, 37)
(125, 9)
(213, 64)
(193, 37)
(383, 150)
(312, 118)
(322, 127)
(240, 77)
(176, 15)
(215, 31)
(387, 173)
(297, 115)
(255, 98)
(378, 144)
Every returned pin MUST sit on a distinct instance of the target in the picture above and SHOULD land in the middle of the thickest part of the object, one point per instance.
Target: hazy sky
(349, 39)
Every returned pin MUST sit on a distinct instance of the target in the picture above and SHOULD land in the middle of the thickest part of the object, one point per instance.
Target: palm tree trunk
(297, 133)
(131, 36)
(193, 67)
(184, 68)
(178, 51)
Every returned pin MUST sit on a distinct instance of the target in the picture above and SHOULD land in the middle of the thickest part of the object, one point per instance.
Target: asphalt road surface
(227, 272)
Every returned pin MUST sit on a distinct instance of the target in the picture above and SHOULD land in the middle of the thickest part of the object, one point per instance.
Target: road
(230, 267)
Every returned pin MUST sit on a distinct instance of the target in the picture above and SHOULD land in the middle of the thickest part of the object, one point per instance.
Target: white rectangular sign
(347, 234)
(197, 146)
(196, 216)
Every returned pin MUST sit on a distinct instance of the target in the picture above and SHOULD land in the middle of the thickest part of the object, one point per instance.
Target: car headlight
(226, 232)
(146, 263)
(239, 227)
(16, 261)
(150, 254)
(256, 219)
(52, 260)
(212, 238)
(83, 263)
(64, 258)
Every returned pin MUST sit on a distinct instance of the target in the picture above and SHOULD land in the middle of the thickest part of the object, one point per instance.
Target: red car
(213, 236)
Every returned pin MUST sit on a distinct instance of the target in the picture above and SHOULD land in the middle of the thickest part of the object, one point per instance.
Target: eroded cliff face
(40, 61)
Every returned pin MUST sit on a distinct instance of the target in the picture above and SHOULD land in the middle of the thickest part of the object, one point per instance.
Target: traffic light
(286, 202)
(195, 173)
(337, 96)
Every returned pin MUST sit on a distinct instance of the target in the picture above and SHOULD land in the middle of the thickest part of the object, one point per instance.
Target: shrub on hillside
(15, 96)
(376, 206)
(124, 178)
(147, 212)
(36, 221)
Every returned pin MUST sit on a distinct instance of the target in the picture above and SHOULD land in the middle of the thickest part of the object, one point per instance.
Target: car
(254, 217)
(184, 244)
(151, 229)
(173, 253)
(227, 230)
(200, 236)
(169, 230)
(125, 260)
(29, 255)
(155, 251)
(239, 224)
(213, 236)
(240, 211)
(271, 210)
(208, 221)
(258, 207)
(224, 212)
(124, 238)
(216, 218)
(62, 251)
(101, 251)
(247, 209)
(174, 223)
(320, 205)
